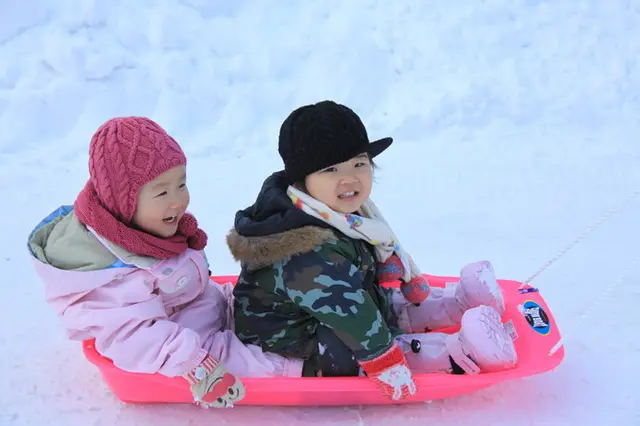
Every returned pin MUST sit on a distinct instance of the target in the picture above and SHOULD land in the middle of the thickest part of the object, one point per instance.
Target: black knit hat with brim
(323, 134)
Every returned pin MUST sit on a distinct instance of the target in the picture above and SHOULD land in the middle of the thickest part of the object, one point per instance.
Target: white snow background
(516, 127)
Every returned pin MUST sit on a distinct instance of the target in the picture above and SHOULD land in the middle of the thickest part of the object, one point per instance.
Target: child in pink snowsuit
(125, 265)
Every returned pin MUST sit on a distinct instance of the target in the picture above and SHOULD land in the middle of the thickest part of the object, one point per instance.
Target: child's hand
(416, 290)
(391, 270)
(391, 372)
(213, 386)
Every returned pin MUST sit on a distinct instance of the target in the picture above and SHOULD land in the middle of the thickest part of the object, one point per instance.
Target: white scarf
(369, 225)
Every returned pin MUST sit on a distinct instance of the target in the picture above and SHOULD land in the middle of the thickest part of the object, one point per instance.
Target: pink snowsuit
(146, 315)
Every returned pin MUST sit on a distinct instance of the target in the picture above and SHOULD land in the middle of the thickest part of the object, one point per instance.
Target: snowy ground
(516, 127)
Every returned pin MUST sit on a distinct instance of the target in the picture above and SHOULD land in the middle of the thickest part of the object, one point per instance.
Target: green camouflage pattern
(280, 306)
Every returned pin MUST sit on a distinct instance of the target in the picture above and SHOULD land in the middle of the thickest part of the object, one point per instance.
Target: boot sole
(482, 273)
(483, 330)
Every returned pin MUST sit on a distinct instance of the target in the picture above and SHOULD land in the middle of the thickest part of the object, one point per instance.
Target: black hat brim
(377, 147)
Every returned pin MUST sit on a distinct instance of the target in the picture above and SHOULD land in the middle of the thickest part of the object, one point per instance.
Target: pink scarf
(91, 212)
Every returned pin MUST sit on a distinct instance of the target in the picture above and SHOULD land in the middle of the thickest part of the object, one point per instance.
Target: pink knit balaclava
(125, 153)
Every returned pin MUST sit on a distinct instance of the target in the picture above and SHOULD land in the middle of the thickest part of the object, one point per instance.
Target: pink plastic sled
(533, 328)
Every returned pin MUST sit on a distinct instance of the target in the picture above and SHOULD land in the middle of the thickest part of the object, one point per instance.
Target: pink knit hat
(125, 153)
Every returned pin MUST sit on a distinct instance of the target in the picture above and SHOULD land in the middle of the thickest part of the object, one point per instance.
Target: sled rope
(603, 295)
(580, 238)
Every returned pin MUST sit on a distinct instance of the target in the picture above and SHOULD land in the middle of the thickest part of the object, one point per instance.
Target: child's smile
(349, 201)
(348, 195)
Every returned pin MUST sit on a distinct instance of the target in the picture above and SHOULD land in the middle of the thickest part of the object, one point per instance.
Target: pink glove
(213, 386)
(391, 270)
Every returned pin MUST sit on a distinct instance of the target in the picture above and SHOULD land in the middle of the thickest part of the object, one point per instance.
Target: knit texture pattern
(125, 153)
(316, 136)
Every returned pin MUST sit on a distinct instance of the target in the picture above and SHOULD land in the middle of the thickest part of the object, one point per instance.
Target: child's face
(343, 187)
(162, 203)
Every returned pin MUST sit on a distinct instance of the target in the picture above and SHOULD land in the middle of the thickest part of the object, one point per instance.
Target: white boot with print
(481, 345)
(445, 306)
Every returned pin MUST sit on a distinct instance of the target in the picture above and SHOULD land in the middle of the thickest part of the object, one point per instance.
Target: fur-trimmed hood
(273, 229)
(257, 252)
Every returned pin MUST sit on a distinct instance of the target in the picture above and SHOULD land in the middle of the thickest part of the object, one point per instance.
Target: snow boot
(481, 345)
(445, 306)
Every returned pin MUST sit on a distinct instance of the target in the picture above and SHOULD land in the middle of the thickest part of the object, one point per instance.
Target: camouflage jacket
(297, 273)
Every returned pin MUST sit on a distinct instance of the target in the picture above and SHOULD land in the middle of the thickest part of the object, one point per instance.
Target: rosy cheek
(223, 385)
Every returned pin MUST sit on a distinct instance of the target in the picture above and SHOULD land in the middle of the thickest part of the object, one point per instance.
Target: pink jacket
(146, 315)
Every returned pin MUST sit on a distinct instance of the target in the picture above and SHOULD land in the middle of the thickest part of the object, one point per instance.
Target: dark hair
(302, 187)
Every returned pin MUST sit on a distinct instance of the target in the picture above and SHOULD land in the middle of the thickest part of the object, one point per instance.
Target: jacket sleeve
(327, 285)
(131, 327)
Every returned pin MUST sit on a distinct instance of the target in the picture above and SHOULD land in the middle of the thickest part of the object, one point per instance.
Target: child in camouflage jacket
(314, 249)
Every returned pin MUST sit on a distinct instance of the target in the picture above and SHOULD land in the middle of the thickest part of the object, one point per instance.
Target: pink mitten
(391, 270)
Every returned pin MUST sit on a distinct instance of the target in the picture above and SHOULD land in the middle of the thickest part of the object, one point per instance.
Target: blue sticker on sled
(536, 317)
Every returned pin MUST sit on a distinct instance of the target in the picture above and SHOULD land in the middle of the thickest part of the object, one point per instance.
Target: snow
(515, 124)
